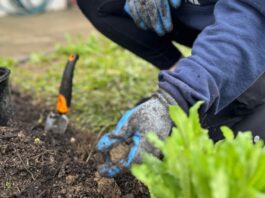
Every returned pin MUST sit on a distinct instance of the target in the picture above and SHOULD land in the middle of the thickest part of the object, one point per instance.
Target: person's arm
(227, 57)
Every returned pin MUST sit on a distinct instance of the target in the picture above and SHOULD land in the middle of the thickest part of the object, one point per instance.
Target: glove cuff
(164, 97)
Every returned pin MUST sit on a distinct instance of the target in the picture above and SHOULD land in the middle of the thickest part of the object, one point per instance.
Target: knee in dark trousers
(254, 122)
(97, 10)
(89, 8)
(109, 18)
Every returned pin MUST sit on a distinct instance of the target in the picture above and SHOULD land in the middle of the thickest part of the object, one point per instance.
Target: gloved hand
(152, 14)
(150, 116)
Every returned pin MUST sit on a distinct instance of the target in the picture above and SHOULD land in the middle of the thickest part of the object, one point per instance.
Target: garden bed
(34, 163)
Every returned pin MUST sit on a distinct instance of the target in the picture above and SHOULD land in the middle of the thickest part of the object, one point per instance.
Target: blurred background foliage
(108, 79)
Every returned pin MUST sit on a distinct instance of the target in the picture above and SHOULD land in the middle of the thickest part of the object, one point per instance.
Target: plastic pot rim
(4, 74)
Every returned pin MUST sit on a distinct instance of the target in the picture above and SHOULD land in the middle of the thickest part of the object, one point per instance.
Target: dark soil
(34, 163)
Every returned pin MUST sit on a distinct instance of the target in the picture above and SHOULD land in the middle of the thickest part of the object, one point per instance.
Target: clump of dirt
(119, 152)
(34, 163)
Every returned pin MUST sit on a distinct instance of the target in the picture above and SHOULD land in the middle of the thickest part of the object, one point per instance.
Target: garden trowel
(57, 121)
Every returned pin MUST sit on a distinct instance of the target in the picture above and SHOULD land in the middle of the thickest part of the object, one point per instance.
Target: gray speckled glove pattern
(150, 116)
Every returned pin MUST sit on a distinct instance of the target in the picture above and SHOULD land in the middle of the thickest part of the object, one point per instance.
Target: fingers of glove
(111, 170)
(131, 9)
(106, 142)
(165, 15)
(175, 3)
(121, 130)
(143, 8)
(156, 23)
(127, 9)
(119, 134)
(142, 25)
(133, 151)
(158, 27)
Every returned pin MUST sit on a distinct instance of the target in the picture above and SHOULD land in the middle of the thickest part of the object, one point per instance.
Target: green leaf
(155, 141)
(228, 133)
(194, 167)
(220, 185)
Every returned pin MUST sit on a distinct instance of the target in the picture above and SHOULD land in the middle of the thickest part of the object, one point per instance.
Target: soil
(119, 152)
(34, 163)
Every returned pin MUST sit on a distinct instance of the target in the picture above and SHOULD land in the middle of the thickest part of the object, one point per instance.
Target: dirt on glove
(119, 152)
(34, 163)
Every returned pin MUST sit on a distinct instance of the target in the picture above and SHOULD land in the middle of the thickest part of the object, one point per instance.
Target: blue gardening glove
(152, 14)
(150, 116)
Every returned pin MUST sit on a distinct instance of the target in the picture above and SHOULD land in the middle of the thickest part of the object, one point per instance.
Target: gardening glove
(152, 14)
(150, 116)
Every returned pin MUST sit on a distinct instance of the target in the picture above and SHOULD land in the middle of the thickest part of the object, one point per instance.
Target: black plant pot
(5, 98)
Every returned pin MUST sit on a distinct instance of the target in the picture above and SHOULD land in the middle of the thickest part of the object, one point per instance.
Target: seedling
(193, 166)
(8, 185)
(37, 141)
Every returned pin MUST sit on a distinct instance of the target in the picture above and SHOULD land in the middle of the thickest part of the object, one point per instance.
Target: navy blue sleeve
(227, 57)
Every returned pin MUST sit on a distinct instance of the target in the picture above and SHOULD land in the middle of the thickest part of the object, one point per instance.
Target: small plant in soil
(193, 166)
(37, 141)
(8, 185)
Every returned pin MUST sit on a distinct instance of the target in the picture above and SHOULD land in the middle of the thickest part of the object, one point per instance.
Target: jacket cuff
(174, 93)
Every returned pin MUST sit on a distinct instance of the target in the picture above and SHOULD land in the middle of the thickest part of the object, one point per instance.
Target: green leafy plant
(193, 166)
(38, 57)
(6, 62)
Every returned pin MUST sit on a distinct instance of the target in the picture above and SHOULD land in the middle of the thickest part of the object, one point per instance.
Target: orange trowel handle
(65, 92)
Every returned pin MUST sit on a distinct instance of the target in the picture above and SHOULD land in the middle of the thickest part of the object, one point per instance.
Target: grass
(108, 79)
